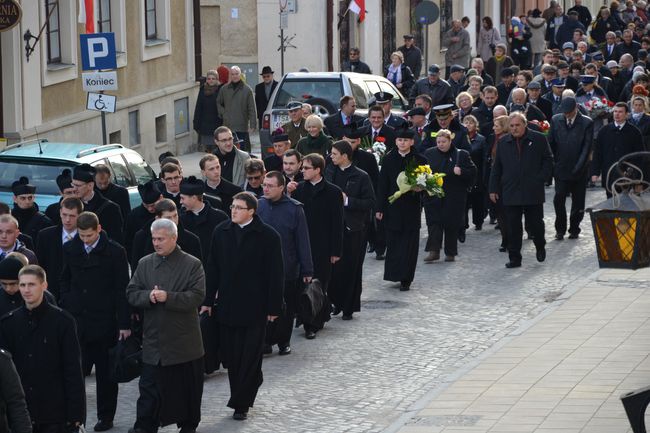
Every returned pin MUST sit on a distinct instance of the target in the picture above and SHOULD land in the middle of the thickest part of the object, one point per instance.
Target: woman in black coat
(444, 215)
(477, 194)
(206, 116)
(399, 74)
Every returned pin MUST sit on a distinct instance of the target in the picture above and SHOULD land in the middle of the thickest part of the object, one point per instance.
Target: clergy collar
(171, 193)
(619, 125)
(197, 212)
(404, 154)
(317, 182)
(241, 226)
(346, 167)
(213, 185)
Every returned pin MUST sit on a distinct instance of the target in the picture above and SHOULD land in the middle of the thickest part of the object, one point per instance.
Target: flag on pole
(359, 8)
(87, 14)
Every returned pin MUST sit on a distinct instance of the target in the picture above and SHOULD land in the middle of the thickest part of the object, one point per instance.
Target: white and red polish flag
(359, 8)
(87, 14)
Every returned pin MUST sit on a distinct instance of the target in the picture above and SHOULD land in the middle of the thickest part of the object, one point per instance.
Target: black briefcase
(125, 359)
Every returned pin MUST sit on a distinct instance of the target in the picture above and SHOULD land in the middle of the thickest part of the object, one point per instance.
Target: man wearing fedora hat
(263, 92)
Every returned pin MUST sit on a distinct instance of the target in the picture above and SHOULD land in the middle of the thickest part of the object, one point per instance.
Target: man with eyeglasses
(232, 160)
(197, 215)
(287, 216)
(110, 217)
(172, 176)
(246, 274)
(25, 209)
(354, 64)
(255, 171)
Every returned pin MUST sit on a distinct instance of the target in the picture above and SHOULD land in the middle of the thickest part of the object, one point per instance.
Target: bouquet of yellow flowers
(418, 178)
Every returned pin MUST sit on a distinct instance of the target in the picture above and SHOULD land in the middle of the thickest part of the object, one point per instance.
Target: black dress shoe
(503, 249)
(137, 430)
(405, 286)
(335, 310)
(103, 425)
(240, 415)
(461, 237)
(478, 227)
(511, 265)
(310, 335)
(380, 256)
(187, 430)
(347, 317)
(284, 350)
(573, 235)
(371, 248)
(541, 254)
(267, 349)
(559, 236)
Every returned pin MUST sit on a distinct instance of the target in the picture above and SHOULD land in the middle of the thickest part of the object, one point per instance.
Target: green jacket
(295, 133)
(321, 144)
(236, 105)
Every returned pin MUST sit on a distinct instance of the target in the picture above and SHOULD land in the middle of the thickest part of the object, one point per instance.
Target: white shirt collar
(196, 212)
(93, 245)
(346, 167)
(619, 125)
(317, 182)
(64, 233)
(245, 224)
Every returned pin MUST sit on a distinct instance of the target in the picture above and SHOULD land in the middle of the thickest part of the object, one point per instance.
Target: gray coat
(171, 329)
(236, 105)
(457, 52)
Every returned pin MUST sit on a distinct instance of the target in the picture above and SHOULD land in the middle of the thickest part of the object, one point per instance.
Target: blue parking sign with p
(98, 51)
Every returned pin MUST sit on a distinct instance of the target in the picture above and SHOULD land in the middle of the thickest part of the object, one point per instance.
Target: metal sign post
(427, 12)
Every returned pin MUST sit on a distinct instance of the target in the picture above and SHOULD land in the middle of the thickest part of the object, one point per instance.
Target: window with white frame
(104, 16)
(59, 44)
(150, 19)
(53, 32)
(155, 28)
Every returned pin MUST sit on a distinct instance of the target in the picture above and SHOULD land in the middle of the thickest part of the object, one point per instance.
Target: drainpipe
(198, 66)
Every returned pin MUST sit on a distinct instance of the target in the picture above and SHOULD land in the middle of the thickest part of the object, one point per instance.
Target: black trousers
(242, 351)
(345, 287)
(170, 394)
(502, 220)
(476, 201)
(439, 231)
(377, 235)
(535, 224)
(50, 428)
(578, 190)
(96, 353)
(283, 328)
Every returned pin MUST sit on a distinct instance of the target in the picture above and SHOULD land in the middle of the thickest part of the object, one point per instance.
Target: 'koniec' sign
(10, 13)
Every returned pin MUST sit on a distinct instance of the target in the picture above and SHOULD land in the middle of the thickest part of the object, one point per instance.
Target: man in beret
(549, 73)
(49, 245)
(25, 209)
(64, 182)
(113, 192)
(281, 144)
(456, 79)
(295, 127)
(438, 89)
(143, 214)
(412, 55)
(506, 85)
(110, 217)
(197, 215)
(342, 118)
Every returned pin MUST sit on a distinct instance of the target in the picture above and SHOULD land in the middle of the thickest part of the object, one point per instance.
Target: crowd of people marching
(218, 270)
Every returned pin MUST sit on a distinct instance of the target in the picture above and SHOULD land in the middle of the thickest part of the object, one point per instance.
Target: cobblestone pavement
(362, 375)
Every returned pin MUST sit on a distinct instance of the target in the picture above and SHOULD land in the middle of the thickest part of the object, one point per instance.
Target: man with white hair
(458, 46)
(168, 287)
(479, 66)
(236, 105)
(520, 103)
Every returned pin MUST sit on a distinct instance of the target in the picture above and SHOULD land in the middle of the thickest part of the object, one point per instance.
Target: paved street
(363, 375)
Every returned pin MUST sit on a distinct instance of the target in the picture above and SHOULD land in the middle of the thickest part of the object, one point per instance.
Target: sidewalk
(563, 372)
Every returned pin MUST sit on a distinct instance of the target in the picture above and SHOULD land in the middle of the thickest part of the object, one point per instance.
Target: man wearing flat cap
(412, 55)
(295, 127)
(64, 182)
(438, 89)
(456, 79)
(110, 218)
(263, 92)
(345, 116)
(570, 138)
(25, 210)
(197, 215)
(49, 245)
(418, 118)
(143, 214)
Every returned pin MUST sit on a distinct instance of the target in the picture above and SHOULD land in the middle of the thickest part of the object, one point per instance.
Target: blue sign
(98, 51)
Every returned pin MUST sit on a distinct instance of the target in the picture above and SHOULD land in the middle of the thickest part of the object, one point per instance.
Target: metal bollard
(635, 404)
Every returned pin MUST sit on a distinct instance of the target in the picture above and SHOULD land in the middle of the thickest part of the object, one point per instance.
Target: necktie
(2, 255)
(569, 123)
(419, 131)
(67, 238)
(89, 248)
(347, 120)
(374, 135)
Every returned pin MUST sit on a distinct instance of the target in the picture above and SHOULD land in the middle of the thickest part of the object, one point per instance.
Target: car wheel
(321, 107)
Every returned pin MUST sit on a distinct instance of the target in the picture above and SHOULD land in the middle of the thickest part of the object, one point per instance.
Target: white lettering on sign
(98, 81)
(93, 53)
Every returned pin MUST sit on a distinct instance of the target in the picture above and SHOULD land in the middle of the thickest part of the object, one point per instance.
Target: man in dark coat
(584, 16)
(545, 106)
(438, 89)
(628, 46)
(570, 139)
(483, 113)
(553, 28)
(95, 275)
(444, 215)
(172, 176)
(354, 63)
(323, 205)
(198, 216)
(9, 242)
(412, 55)
(25, 210)
(168, 287)
(287, 217)
(215, 185)
(402, 218)
(14, 416)
(113, 192)
(143, 245)
(444, 120)
(246, 300)
(521, 166)
(337, 122)
(263, 92)
(555, 95)
(614, 141)
(110, 217)
(506, 85)
(51, 240)
(10, 297)
(281, 144)
(64, 182)
(143, 214)
(43, 341)
(358, 201)
(377, 128)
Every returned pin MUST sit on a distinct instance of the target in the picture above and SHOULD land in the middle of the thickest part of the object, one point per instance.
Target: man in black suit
(377, 127)
(215, 185)
(384, 100)
(336, 123)
(263, 92)
(570, 139)
(545, 106)
(555, 95)
(115, 193)
(522, 164)
(51, 240)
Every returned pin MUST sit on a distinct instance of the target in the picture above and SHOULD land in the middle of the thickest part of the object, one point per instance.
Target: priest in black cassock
(358, 200)
(402, 218)
(143, 214)
(64, 182)
(25, 210)
(115, 193)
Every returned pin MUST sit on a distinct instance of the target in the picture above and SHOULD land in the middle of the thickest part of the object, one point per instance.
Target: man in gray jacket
(168, 287)
(456, 40)
(236, 105)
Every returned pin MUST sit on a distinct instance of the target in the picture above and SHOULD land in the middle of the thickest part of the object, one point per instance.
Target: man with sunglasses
(354, 63)
(255, 171)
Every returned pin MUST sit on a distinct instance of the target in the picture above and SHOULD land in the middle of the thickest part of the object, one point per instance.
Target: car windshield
(304, 90)
(41, 174)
